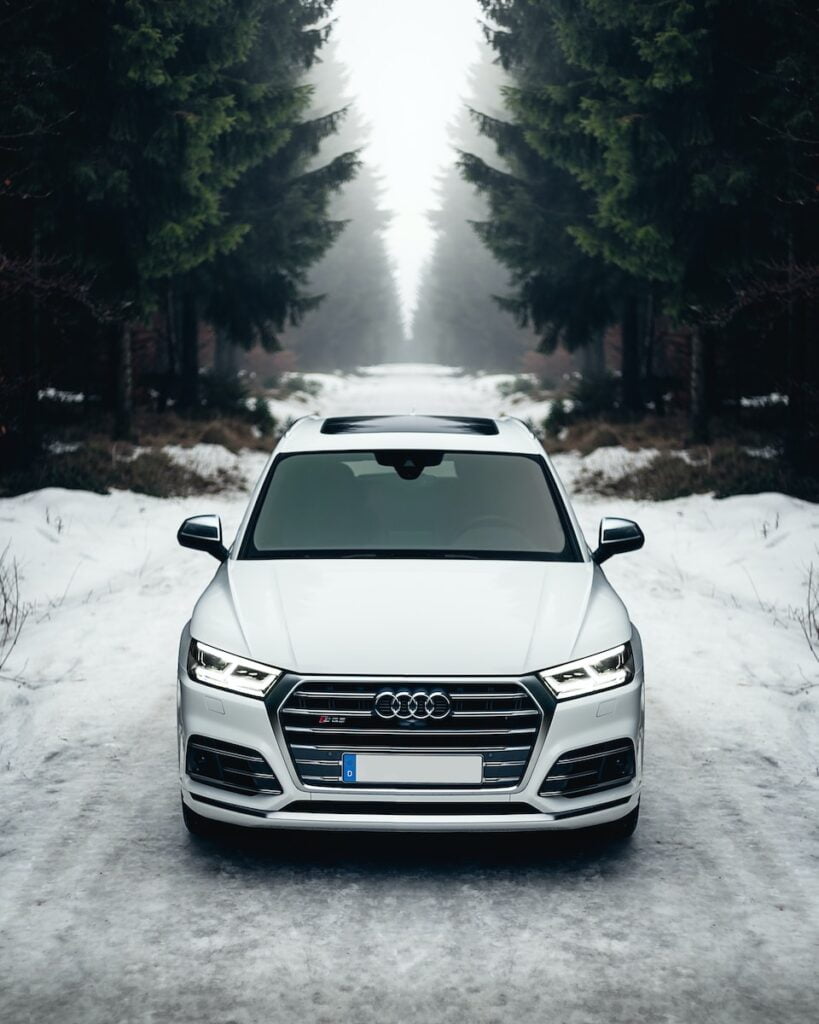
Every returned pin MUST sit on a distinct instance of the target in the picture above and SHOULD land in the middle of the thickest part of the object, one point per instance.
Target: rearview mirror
(617, 536)
(203, 533)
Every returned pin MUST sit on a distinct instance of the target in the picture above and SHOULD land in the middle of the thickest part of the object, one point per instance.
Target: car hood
(410, 617)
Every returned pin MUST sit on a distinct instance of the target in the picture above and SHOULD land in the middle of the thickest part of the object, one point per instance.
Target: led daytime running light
(213, 667)
(603, 671)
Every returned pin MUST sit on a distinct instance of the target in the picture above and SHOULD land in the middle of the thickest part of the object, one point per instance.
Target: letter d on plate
(348, 767)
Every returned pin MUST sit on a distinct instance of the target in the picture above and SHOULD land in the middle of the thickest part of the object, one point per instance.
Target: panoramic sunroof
(409, 425)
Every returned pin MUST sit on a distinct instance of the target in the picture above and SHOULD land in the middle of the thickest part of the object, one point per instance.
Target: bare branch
(13, 611)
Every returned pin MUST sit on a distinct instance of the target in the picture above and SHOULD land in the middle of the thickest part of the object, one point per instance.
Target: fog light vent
(229, 766)
(590, 769)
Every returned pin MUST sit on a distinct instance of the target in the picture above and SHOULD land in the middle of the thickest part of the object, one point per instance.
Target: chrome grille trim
(415, 750)
(497, 717)
(401, 732)
(575, 760)
(485, 714)
(339, 695)
(221, 750)
(326, 711)
(485, 696)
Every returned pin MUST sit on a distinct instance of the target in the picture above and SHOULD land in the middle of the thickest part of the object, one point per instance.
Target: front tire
(199, 826)
(623, 828)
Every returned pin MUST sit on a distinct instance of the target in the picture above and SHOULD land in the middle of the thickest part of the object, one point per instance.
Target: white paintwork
(411, 617)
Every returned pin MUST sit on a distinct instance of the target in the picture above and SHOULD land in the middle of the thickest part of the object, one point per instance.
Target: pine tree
(37, 284)
(154, 140)
(125, 177)
(566, 295)
(254, 292)
(277, 200)
(356, 319)
(458, 319)
(665, 118)
(149, 169)
(640, 79)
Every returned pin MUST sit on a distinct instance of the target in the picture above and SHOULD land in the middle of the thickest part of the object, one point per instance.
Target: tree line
(358, 322)
(457, 321)
(159, 165)
(658, 169)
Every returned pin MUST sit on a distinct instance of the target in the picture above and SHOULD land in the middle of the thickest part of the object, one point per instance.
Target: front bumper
(578, 723)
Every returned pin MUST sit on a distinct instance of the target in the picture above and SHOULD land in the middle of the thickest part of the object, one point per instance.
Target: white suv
(410, 632)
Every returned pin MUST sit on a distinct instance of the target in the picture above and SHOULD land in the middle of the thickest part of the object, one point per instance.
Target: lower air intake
(376, 807)
(229, 766)
(591, 769)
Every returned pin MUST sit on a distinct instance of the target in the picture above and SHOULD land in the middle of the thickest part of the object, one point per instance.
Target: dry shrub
(160, 429)
(597, 435)
(101, 467)
(808, 615)
(722, 470)
(226, 434)
(13, 610)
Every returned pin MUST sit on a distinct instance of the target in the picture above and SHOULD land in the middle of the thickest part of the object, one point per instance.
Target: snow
(611, 463)
(109, 912)
(763, 401)
(212, 459)
(409, 387)
(53, 395)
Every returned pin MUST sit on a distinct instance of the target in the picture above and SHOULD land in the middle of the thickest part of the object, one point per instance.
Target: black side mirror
(203, 533)
(617, 536)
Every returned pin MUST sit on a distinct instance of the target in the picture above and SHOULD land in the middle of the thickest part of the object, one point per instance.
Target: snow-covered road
(109, 912)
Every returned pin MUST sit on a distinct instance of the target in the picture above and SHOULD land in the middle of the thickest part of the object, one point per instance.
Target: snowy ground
(411, 388)
(109, 912)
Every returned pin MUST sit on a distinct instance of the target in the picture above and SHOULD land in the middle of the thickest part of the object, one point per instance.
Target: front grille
(322, 720)
(229, 766)
(590, 769)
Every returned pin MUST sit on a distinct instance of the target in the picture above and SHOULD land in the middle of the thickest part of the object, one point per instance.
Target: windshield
(411, 504)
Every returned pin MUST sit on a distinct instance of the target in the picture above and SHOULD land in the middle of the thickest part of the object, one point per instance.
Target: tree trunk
(171, 331)
(166, 378)
(189, 344)
(28, 385)
(124, 389)
(593, 356)
(652, 388)
(29, 432)
(796, 431)
(224, 362)
(698, 410)
(20, 431)
(630, 364)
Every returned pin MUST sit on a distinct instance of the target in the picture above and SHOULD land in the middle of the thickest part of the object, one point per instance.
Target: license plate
(413, 769)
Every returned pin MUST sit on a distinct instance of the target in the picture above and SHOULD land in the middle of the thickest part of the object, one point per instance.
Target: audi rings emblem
(406, 705)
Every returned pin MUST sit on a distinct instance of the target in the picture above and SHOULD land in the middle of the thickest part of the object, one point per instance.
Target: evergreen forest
(656, 180)
(635, 184)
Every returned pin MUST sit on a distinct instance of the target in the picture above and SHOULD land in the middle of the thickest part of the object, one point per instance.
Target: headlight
(588, 675)
(229, 672)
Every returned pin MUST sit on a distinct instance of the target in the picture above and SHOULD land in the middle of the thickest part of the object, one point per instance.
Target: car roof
(454, 433)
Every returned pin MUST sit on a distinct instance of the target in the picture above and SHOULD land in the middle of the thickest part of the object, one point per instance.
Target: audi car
(410, 632)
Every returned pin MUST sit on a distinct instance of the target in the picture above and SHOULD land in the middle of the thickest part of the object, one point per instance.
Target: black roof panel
(409, 425)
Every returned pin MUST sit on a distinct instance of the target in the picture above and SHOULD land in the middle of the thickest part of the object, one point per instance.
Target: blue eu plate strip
(348, 767)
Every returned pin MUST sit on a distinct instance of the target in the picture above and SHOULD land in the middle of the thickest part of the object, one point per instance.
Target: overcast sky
(408, 62)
